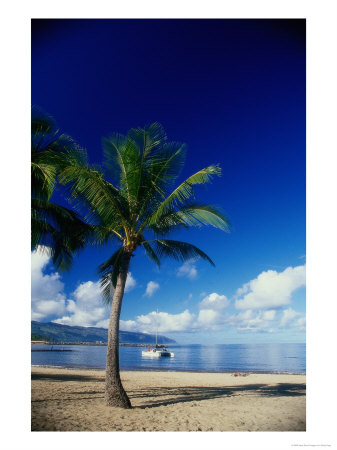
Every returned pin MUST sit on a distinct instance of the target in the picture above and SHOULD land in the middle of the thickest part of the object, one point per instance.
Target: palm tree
(140, 210)
(56, 229)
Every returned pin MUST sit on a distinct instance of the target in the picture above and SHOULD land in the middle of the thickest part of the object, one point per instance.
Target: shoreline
(65, 399)
(169, 371)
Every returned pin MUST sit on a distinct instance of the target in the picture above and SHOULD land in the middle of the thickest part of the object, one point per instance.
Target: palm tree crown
(142, 207)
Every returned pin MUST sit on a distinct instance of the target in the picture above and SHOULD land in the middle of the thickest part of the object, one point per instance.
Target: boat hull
(157, 354)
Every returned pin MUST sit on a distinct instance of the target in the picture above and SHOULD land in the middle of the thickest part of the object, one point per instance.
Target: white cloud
(103, 323)
(45, 308)
(130, 283)
(39, 259)
(214, 301)
(265, 321)
(188, 270)
(87, 293)
(252, 320)
(128, 325)
(151, 288)
(47, 293)
(186, 321)
(269, 315)
(84, 308)
(287, 316)
(301, 323)
(248, 320)
(162, 321)
(270, 289)
(212, 316)
(208, 319)
(87, 309)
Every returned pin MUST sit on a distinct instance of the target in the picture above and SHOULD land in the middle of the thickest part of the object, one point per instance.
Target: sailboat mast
(157, 326)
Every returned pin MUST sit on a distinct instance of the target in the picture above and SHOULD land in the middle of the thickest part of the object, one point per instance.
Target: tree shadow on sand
(162, 396)
(65, 377)
(170, 395)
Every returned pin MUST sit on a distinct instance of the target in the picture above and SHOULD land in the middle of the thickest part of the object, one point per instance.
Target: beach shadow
(164, 395)
(169, 395)
(65, 377)
(284, 390)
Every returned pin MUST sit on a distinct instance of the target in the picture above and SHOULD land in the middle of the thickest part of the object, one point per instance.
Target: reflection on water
(206, 358)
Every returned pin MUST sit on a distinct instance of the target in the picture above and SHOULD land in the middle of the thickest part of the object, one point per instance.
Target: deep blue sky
(234, 92)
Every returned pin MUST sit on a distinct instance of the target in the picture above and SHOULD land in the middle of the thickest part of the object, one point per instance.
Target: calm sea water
(287, 358)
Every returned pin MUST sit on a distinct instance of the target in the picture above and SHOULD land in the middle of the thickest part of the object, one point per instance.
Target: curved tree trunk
(115, 394)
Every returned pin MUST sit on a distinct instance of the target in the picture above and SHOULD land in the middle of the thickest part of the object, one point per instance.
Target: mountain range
(54, 332)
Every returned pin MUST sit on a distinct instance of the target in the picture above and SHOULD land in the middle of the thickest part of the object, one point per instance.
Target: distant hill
(54, 332)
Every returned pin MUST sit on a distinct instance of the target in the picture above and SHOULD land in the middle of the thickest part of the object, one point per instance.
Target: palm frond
(105, 234)
(149, 139)
(48, 146)
(43, 180)
(91, 190)
(183, 192)
(146, 166)
(181, 251)
(191, 215)
(159, 172)
(151, 254)
(64, 151)
(122, 157)
(41, 121)
(61, 229)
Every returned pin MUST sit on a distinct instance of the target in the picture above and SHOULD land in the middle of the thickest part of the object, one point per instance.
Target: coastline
(138, 369)
(71, 399)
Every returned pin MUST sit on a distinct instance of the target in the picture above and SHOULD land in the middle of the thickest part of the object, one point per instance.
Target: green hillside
(54, 332)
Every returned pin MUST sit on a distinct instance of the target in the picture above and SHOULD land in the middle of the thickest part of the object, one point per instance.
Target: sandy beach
(72, 400)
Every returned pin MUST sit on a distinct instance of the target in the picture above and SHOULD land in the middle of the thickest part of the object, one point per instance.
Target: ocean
(273, 358)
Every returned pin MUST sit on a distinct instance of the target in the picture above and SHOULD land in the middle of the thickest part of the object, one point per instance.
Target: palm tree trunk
(115, 394)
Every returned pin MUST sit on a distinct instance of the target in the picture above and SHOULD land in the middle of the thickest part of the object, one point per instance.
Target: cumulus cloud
(269, 315)
(208, 319)
(266, 321)
(213, 315)
(130, 283)
(213, 320)
(270, 289)
(214, 301)
(83, 308)
(300, 323)
(151, 288)
(87, 308)
(47, 293)
(188, 270)
(252, 320)
(162, 321)
(288, 316)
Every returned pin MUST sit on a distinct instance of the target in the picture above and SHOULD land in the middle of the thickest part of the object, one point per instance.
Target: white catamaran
(158, 350)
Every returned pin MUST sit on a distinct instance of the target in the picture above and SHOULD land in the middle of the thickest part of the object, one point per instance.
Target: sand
(72, 400)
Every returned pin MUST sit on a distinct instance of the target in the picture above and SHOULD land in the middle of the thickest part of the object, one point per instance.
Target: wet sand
(73, 400)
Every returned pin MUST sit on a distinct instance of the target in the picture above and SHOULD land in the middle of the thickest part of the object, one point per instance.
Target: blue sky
(234, 92)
